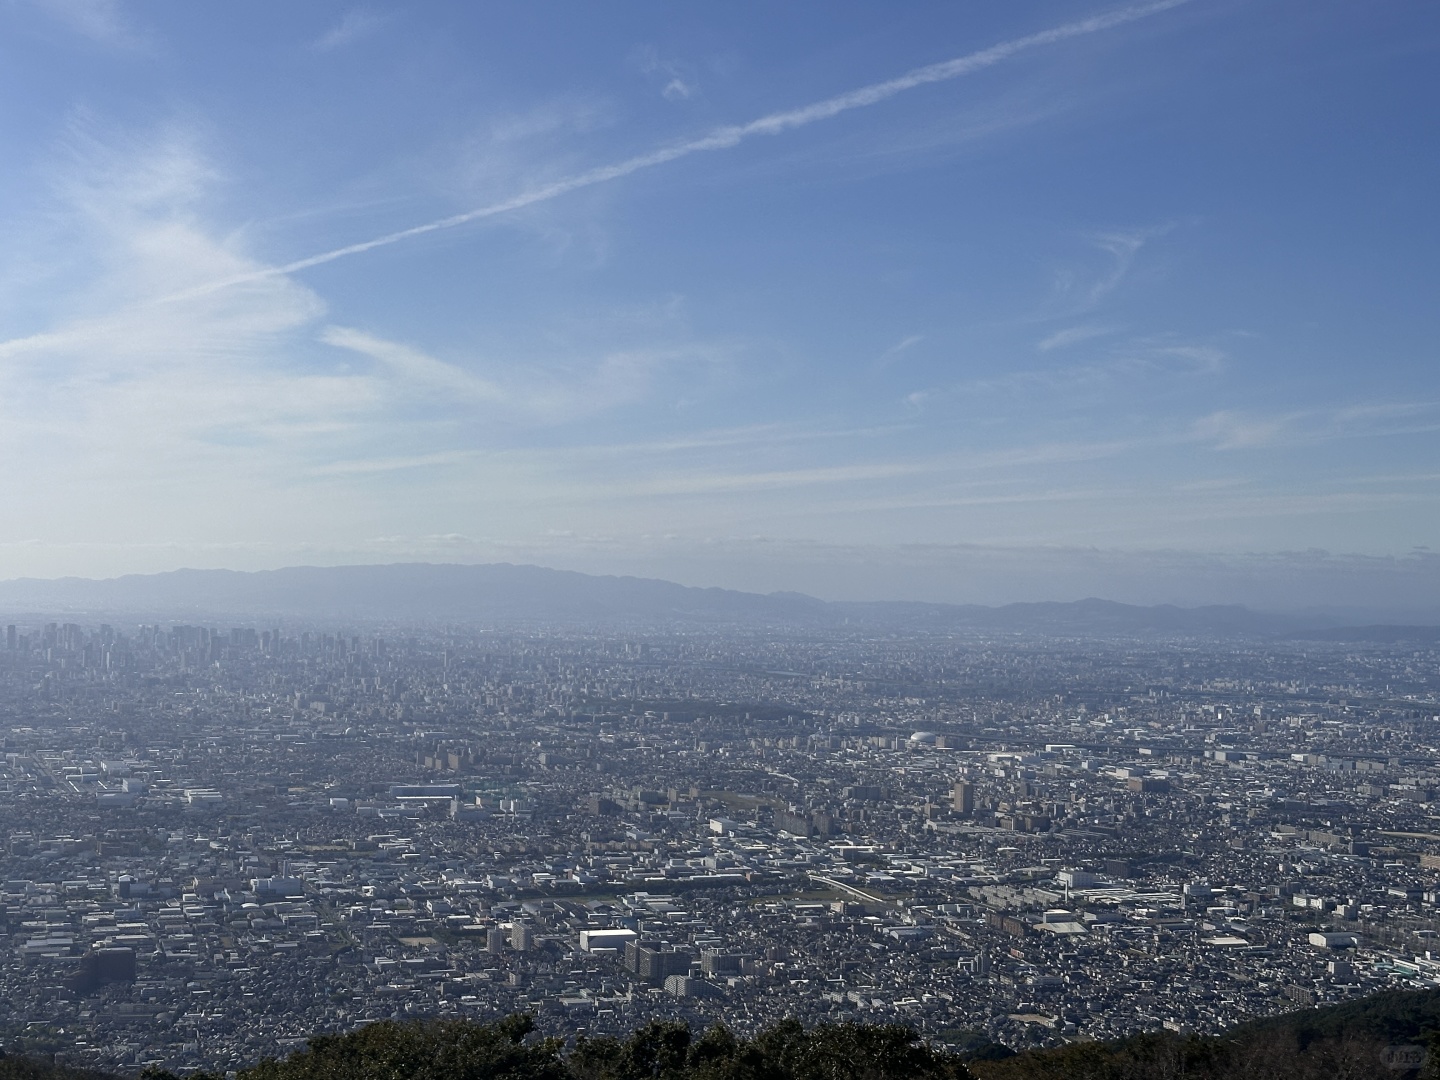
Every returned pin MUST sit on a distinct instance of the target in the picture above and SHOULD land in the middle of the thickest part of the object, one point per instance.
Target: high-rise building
(964, 796)
(653, 962)
(102, 966)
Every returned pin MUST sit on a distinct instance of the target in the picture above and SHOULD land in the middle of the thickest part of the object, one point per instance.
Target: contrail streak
(721, 138)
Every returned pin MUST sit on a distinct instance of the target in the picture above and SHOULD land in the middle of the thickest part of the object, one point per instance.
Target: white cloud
(171, 417)
(1072, 335)
(185, 380)
(680, 83)
(355, 24)
(1234, 429)
(890, 355)
(534, 392)
(677, 89)
(102, 21)
(1122, 247)
(415, 371)
(1153, 361)
(1078, 290)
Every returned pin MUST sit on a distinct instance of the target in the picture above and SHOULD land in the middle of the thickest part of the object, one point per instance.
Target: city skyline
(1061, 300)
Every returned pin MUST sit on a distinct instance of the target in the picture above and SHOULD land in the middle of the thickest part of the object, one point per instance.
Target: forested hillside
(1354, 1040)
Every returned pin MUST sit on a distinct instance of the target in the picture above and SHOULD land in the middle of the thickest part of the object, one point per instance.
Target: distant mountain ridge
(402, 591)
(501, 593)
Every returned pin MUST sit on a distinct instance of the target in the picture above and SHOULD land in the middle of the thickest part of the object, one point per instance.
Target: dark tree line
(661, 1050)
(1345, 1042)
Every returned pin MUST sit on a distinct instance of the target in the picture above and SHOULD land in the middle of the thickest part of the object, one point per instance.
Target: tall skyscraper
(964, 796)
(522, 938)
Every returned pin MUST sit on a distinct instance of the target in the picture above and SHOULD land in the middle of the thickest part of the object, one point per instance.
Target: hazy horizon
(1382, 591)
(1033, 301)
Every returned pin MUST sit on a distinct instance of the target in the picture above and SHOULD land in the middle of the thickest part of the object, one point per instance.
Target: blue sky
(929, 300)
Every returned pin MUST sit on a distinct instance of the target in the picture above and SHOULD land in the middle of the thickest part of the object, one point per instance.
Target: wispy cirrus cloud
(1158, 359)
(355, 25)
(414, 371)
(704, 479)
(1080, 289)
(245, 406)
(1122, 248)
(539, 391)
(102, 21)
(732, 135)
(894, 352)
(166, 393)
(678, 80)
(1237, 429)
(1072, 335)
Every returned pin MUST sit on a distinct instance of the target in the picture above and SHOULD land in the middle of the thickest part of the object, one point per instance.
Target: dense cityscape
(218, 842)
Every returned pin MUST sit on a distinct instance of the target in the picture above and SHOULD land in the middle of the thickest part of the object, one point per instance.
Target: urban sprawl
(216, 843)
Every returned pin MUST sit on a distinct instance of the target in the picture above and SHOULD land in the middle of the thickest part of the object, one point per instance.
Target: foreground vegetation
(1339, 1043)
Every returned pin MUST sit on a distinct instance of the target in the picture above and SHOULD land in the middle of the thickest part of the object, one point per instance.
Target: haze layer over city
(911, 514)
